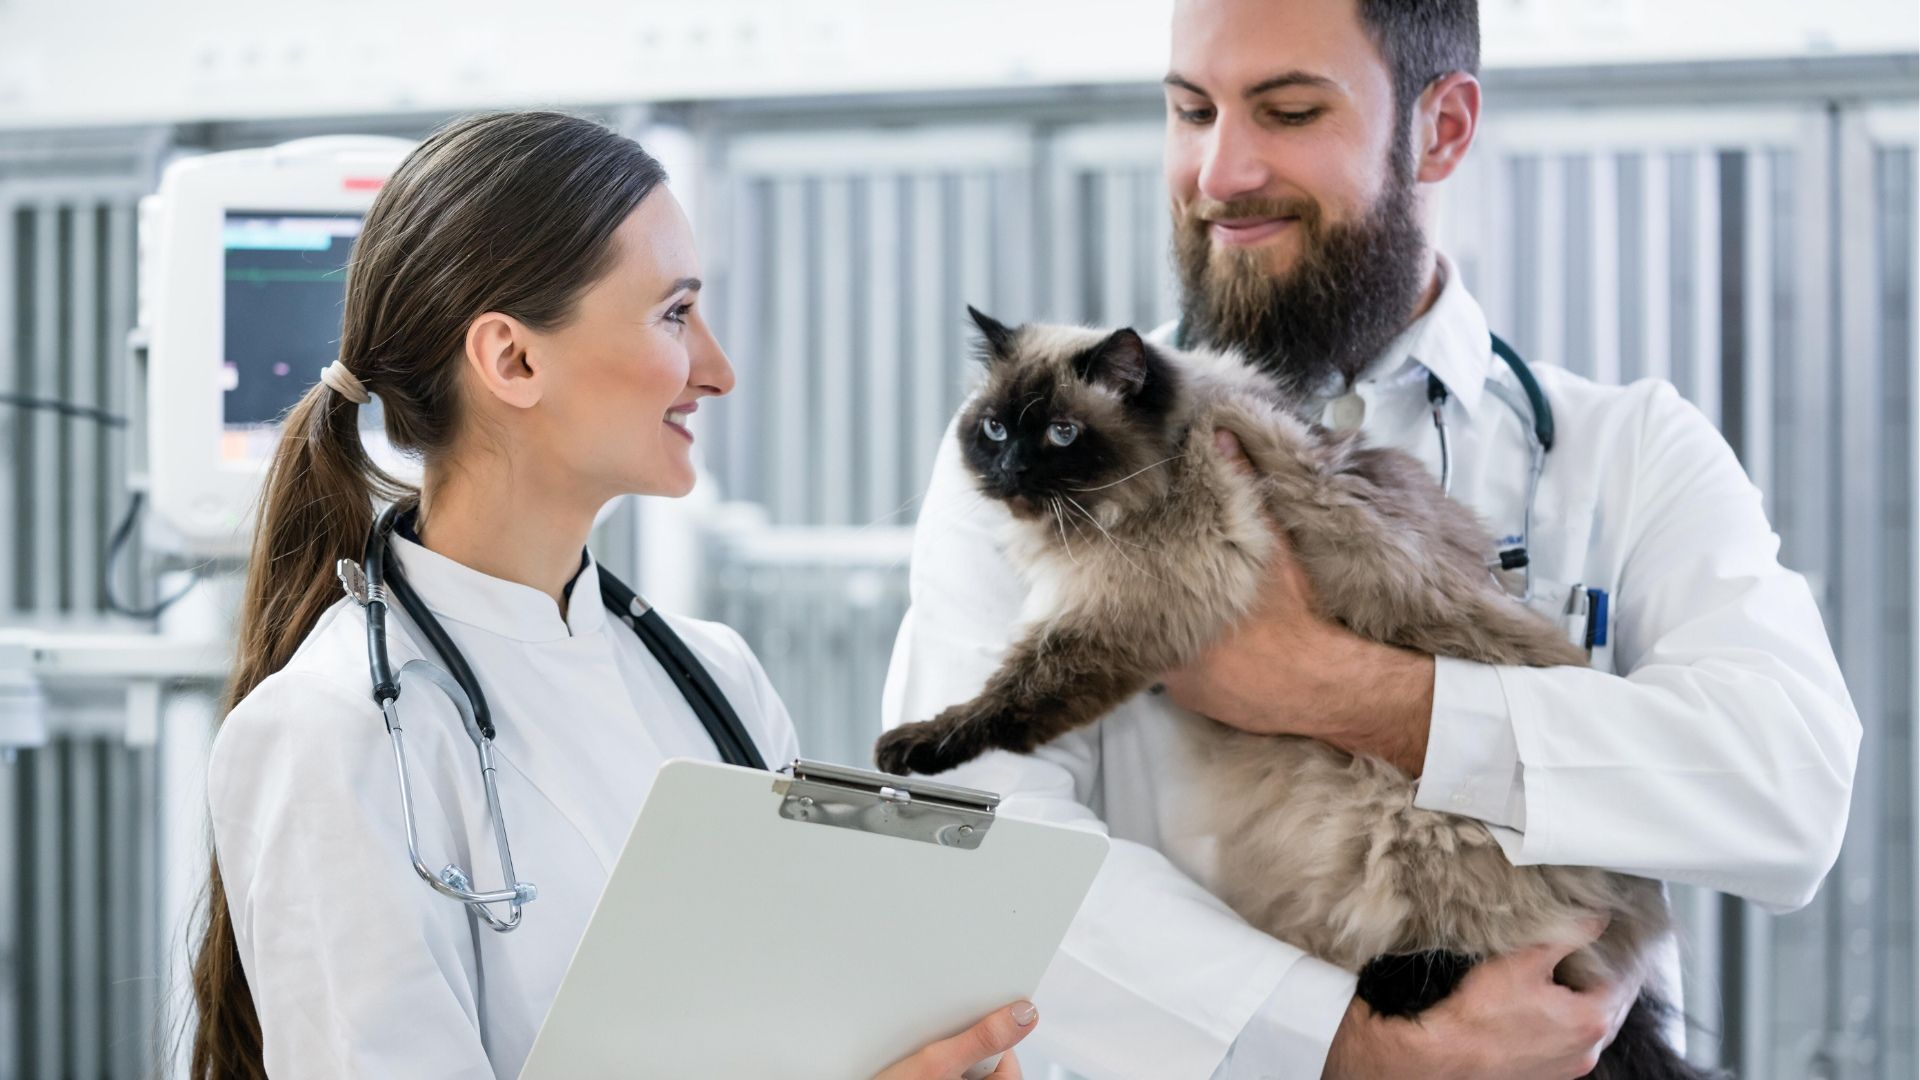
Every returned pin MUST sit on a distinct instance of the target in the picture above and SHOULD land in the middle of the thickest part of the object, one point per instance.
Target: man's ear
(498, 351)
(1446, 116)
(996, 335)
(1120, 361)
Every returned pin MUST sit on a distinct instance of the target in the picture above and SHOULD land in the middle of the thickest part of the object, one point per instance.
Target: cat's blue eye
(993, 429)
(1061, 433)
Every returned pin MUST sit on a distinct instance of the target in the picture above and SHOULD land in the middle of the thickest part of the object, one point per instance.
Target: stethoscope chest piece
(452, 880)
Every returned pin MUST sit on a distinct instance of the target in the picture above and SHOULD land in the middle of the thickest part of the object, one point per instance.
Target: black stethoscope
(1536, 418)
(370, 583)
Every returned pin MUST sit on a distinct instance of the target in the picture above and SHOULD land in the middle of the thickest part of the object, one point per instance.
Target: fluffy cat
(1144, 544)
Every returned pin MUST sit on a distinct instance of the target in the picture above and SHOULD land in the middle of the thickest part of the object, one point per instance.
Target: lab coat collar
(458, 593)
(1450, 340)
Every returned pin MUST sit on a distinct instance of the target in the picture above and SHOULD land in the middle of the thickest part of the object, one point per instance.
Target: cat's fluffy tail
(1641, 1050)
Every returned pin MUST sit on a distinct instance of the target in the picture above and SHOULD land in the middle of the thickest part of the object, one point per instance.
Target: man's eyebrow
(1287, 79)
(1183, 84)
(1281, 81)
(691, 284)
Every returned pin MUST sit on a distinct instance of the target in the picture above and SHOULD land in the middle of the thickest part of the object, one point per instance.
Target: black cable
(709, 704)
(450, 656)
(121, 533)
(373, 565)
(65, 408)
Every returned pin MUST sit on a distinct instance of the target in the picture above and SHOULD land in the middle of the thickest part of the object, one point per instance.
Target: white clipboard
(819, 923)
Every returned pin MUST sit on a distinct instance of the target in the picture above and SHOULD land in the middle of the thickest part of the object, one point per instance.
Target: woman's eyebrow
(690, 284)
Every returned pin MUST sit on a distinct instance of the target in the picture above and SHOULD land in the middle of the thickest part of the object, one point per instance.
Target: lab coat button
(1347, 411)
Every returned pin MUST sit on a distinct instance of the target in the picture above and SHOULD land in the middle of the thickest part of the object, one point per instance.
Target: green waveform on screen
(259, 276)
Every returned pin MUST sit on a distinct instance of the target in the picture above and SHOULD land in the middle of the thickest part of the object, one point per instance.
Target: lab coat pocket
(1587, 620)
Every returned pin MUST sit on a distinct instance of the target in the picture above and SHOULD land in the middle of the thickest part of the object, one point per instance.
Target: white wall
(65, 62)
(1519, 33)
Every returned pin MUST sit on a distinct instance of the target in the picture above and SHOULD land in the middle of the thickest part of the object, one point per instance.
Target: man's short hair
(1422, 40)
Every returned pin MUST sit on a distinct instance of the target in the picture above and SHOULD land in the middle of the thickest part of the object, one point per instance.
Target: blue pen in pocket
(1596, 618)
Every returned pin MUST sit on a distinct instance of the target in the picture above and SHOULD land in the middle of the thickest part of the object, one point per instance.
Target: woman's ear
(499, 352)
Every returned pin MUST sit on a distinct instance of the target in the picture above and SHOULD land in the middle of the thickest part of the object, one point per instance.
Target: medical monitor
(244, 258)
(284, 287)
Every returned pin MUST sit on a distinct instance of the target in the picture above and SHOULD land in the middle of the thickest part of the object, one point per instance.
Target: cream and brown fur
(1143, 548)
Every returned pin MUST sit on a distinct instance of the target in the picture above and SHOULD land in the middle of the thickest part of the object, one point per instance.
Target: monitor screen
(286, 284)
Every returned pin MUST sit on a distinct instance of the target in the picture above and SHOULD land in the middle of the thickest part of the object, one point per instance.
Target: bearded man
(1711, 742)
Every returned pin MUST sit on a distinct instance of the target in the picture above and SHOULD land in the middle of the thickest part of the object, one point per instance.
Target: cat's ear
(1120, 361)
(998, 336)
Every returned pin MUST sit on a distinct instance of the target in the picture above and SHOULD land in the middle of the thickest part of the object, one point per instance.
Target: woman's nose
(711, 370)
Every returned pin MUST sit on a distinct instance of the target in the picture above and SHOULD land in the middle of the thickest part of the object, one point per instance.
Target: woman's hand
(949, 1059)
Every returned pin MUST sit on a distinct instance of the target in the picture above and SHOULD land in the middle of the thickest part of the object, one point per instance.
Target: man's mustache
(1203, 209)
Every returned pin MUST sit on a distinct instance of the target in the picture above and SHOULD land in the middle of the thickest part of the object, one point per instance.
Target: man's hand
(1508, 1020)
(1287, 669)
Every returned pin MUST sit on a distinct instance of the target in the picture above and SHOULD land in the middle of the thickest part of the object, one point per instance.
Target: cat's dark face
(1067, 416)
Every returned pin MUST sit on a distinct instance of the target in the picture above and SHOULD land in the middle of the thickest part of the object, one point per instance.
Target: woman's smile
(677, 419)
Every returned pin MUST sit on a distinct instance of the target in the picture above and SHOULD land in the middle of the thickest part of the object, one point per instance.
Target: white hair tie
(343, 382)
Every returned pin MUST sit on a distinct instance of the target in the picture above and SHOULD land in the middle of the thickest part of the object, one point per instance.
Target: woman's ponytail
(316, 508)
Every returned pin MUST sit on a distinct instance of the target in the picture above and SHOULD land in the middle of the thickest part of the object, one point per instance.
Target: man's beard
(1351, 290)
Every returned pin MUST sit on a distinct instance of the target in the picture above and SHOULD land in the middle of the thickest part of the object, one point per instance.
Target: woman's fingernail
(1024, 1013)
(1224, 442)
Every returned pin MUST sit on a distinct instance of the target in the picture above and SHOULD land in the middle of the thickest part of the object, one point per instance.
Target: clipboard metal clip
(818, 793)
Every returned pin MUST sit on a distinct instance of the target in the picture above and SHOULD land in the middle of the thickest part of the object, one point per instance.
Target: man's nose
(1232, 167)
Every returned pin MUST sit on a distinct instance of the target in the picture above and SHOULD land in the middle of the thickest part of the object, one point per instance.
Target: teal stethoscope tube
(1536, 417)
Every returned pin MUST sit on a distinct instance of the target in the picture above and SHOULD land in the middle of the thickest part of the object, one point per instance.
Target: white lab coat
(357, 968)
(1713, 742)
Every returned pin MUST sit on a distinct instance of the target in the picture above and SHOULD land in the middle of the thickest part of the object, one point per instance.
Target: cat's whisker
(1060, 519)
(1130, 475)
(1116, 544)
(1103, 529)
(966, 511)
(1031, 402)
(893, 513)
(962, 513)
(947, 739)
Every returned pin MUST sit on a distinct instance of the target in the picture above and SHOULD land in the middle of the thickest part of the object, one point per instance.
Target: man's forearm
(1383, 698)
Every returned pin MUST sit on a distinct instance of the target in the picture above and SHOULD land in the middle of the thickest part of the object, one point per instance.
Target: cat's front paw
(928, 747)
